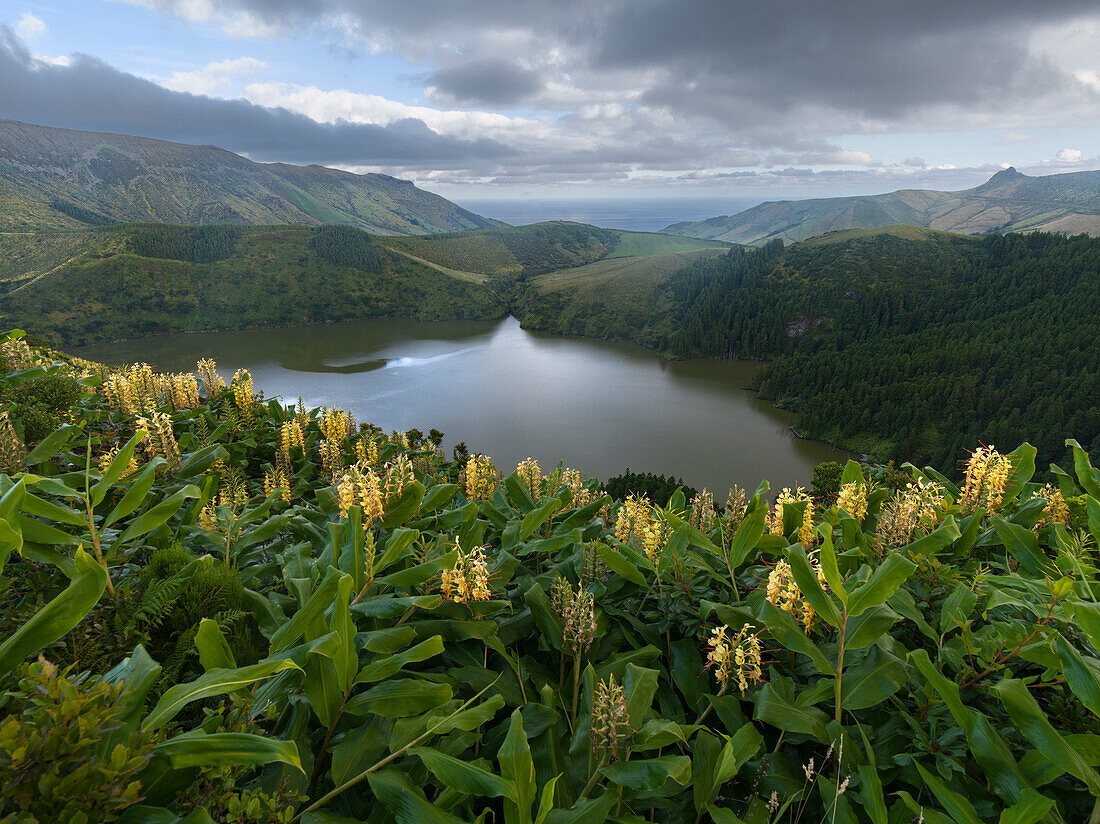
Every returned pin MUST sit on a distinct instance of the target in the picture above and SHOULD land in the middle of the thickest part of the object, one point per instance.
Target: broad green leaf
(1032, 722)
(53, 443)
(1023, 468)
(399, 698)
(1088, 619)
(464, 777)
(807, 581)
(405, 507)
(640, 685)
(1088, 477)
(218, 682)
(942, 536)
(517, 768)
(872, 681)
(742, 745)
(383, 668)
(955, 804)
(420, 573)
(1023, 546)
(41, 508)
(784, 629)
(884, 582)
(405, 800)
(116, 470)
(1082, 677)
(648, 774)
(58, 616)
(138, 673)
(586, 811)
(747, 536)
(1030, 809)
(869, 627)
(620, 565)
(360, 748)
(870, 784)
(159, 514)
(772, 709)
(828, 563)
(213, 649)
(227, 749)
(321, 599)
(546, 802)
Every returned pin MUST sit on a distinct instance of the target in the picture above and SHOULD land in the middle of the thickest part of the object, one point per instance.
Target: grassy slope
(27, 255)
(618, 298)
(46, 172)
(1009, 201)
(272, 277)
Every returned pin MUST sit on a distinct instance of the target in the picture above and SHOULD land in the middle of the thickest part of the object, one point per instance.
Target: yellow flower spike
(530, 473)
(468, 580)
(481, 478)
(987, 474)
(853, 499)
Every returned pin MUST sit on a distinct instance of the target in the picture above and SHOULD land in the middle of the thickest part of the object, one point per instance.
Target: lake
(599, 407)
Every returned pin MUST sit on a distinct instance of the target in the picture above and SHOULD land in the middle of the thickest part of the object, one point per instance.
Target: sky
(581, 98)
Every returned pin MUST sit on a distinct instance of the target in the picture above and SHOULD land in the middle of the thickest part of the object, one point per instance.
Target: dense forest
(913, 349)
(218, 607)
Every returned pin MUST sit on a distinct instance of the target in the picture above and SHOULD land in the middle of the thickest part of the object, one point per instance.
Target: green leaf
(1081, 676)
(747, 536)
(517, 767)
(1088, 619)
(228, 749)
(405, 506)
(140, 485)
(942, 536)
(639, 685)
(313, 609)
(52, 444)
(218, 682)
(953, 803)
(59, 616)
(884, 582)
(648, 774)
(872, 681)
(138, 672)
(159, 514)
(1023, 546)
(869, 627)
(807, 581)
(116, 470)
(419, 573)
(1032, 722)
(1023, 468)
(829, 566)
(782, 626)
(772, 709)
(1088, 477)
(399, 698)
(620, 565)
(213, 649)
(383, 668)
(405, 800)
(1030, 809)
(586, 811)
(546, 802)
(464, 777)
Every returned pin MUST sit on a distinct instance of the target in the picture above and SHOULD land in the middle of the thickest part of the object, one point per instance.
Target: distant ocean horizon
(631, 214)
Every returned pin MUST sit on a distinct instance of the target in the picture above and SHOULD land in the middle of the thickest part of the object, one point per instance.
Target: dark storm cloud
(742, 62)
(489, 82)
(92, 95)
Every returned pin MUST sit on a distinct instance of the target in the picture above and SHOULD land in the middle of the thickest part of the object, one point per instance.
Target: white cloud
(1069, 155)
(213, 77)
(30, 26)
(50, 60)
(330, 106)
(1089, 77)
(1009, 138)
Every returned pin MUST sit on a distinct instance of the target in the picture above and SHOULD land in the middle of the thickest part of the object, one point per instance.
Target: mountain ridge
(52, 178)
(1008, 202)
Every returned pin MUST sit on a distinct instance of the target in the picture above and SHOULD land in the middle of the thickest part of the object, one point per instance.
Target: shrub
(52, 759)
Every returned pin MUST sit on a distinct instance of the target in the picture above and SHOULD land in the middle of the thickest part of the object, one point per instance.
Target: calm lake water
(599, 407)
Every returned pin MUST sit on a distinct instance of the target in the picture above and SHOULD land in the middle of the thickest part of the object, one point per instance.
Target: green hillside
(910, 349)
(617, 298)
(141, 279)
(123, 281)
(63, 179)
(1008, 202)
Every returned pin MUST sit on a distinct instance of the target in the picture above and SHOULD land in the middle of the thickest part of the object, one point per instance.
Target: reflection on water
(597, 406)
